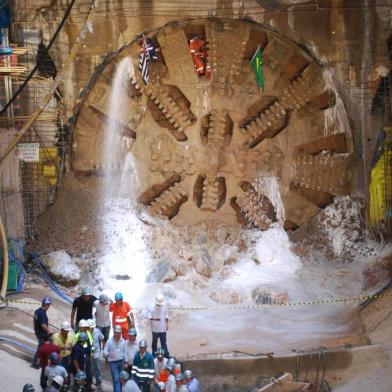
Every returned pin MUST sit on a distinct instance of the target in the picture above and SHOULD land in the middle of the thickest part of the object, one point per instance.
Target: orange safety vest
(120, 313)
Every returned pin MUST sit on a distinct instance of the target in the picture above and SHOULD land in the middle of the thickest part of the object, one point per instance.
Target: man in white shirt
(170, 385)
(132, 349)
(192, 384)
(159, 322)
(102, 315)
(115, 352)
(160, 363)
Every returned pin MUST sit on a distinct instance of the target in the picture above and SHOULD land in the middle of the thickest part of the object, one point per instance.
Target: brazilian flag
(257, 65)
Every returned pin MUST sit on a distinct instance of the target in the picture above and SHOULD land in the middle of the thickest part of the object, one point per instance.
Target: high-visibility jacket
(120, 313)
(143, 367)
(65, 346)
(90, 339)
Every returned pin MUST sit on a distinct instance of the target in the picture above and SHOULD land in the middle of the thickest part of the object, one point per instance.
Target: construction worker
(64, 340)
(180, 383)
(28, 388)
(177, 366)
(44, 352)
(127, 384)
(80, 384)
(159, 321)
(122, 314)
(197, 47)
(80, 357)
(98, 342)
(143, 367)
(102, 315)
(115, 351)
(84, 327)
(83, 307)
(41, 325)
(160, 363)
(132, 349)
(170, 385)
(54, 369)
(191, 382)
(56, 384)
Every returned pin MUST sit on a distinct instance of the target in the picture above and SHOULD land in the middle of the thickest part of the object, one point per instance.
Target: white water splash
(124, 251)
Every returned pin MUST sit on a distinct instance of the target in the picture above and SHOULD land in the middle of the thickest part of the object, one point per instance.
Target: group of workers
(72, 356)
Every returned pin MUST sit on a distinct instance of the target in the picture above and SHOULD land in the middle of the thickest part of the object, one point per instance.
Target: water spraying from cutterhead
(124, 250)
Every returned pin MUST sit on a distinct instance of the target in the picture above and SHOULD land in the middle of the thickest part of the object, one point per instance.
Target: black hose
(32, 72)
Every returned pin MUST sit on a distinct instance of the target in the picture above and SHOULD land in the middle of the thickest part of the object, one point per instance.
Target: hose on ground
(16, 343)
(37, 261)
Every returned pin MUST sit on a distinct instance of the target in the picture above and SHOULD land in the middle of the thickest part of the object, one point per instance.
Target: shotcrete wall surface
(243, 374)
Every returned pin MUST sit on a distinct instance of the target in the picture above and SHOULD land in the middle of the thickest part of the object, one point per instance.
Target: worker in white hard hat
(64, 340)
(56, 385)
(159, 321)
(180, 383)
(191, 382)
(84, 327)
(114, 352)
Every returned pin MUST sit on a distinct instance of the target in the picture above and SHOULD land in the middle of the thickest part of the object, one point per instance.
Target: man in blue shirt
(41, 325)
(192, 383)
(80, 357)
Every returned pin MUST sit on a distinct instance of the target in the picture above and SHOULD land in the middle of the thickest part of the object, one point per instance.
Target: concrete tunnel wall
(244, 374)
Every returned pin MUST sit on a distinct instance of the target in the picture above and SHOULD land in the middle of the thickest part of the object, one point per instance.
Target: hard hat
(117, 328)
(160, 352)
(28, 388)
(118, 297)
(103, 299)
(170, 367)
(54, 358)
(159, 300)
(65, 326)
(86, 291)
(58, 380)
(132, 332)
(91, 323)
(46, 301)
(80, 375)
(180, 377)
(188, 374)
(172, 361)
(82, 323)
(143, 343)
(124, 375)
(83, 337)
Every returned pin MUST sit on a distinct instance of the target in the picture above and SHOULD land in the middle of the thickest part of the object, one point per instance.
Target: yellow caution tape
(244, 307)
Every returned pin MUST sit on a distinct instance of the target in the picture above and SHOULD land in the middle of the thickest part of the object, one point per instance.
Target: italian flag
(257, 65)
